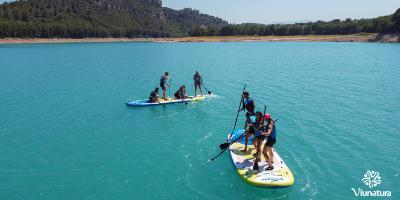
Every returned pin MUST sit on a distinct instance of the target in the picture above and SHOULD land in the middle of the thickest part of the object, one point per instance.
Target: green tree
(228, 30)
(396, 20)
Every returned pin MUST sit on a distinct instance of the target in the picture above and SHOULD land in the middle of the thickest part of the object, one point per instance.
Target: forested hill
(147, 18)
(383, 24)
(100, 18)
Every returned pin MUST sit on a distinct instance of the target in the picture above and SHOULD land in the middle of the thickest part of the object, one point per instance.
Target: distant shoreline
(302, 38)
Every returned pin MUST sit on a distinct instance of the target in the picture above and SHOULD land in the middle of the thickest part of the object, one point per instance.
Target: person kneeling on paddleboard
(153, 98)
(163, 82)
(181, 93)
(248, 127)
(271, 140)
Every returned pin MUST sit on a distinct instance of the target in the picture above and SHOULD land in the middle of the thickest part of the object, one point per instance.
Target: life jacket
(273, 132)
(197, 78)
(163, 80)
(249, 104)
(252, 119)
(257, 126)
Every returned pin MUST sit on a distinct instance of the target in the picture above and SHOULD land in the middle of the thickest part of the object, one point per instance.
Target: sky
(287, 11)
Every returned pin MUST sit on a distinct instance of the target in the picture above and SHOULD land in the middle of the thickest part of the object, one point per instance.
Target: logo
(371, 179)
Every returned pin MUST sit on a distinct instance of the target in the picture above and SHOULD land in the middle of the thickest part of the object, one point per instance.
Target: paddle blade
(224, 146)
(209, 92)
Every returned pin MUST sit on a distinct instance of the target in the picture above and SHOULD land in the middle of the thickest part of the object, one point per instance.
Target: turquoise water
(66, 133)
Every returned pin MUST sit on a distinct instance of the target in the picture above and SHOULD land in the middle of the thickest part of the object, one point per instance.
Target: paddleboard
(280, 176)
(140, 103)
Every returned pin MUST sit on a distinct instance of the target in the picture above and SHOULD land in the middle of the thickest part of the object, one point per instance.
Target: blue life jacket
(249, 101)
(273, 132)
(252, 119)
(249, 105)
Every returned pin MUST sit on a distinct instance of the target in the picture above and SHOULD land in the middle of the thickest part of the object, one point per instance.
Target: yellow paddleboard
(280, 176)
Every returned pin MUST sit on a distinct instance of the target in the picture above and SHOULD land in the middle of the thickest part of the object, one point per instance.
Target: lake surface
(65, 132)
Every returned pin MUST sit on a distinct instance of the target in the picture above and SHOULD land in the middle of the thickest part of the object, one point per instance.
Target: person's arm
(158, 100)
(154, 99)
(243, 106)
(270, 126)
(246, 124)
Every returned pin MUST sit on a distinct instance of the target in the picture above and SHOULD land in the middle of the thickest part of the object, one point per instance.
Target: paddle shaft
(220, 153)
(209, 92)
(237, 115)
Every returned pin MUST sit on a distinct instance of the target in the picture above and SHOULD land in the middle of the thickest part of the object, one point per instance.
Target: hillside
(383, 25)
(148, 18)
(99, 18)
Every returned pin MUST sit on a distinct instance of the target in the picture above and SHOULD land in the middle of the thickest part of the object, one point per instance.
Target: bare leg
(259, 145)
(195, 90)
(268, 150)
(271, 155)
(265, 153)
(255, 143)
(246, 141)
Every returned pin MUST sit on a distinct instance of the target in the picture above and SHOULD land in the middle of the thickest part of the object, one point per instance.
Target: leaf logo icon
(371, 179)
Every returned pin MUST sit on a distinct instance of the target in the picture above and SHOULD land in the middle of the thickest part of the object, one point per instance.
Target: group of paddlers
(165, 81)
(261, 126)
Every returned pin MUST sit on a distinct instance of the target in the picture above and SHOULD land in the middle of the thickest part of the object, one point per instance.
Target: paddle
(225, 146)
(161, 103)
(208, 91)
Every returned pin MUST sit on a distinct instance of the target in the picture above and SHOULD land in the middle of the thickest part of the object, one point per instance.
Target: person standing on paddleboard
(248, 127)
(271, 140)
(163, 82)
(198, 81)
(248, 104)
(258, 137)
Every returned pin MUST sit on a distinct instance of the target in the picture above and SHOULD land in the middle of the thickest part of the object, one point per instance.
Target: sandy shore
(308, 38)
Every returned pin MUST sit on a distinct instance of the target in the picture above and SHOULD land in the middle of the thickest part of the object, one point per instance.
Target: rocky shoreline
(385, 38)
